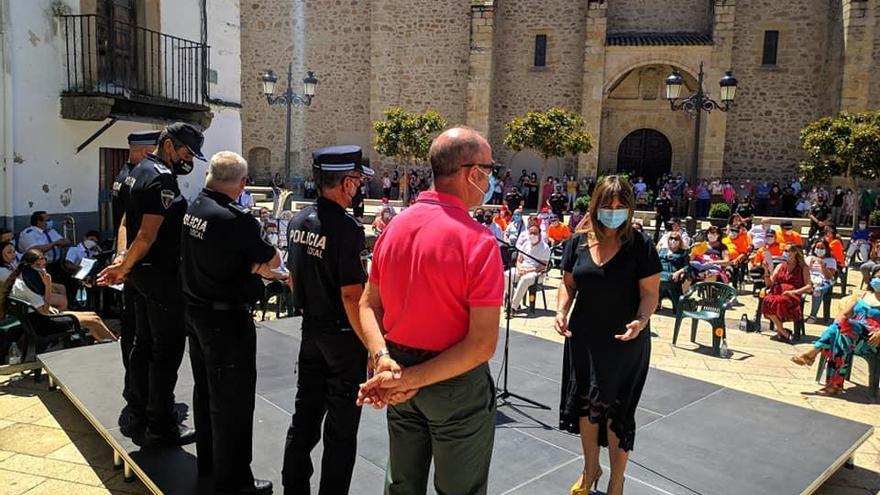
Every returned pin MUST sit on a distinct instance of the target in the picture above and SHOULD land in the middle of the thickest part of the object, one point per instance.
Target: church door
(645, 153)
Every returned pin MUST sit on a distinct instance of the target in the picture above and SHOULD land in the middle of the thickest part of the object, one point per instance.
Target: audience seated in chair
(855, 332)
(709, 259)
(675, 262)
(31, 283)
(786, 283)
(526, 271)
(823, 269)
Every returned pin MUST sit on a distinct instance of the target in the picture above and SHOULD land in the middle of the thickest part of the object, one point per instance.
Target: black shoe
(260, 487)
(132, 425)
(178, 436)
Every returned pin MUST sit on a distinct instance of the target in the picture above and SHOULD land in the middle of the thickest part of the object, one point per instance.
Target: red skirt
(784, 307)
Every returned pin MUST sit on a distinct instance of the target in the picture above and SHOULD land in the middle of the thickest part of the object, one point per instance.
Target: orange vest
(558, 233)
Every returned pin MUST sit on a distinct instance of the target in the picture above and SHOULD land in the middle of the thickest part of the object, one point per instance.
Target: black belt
(221, 306)
(409, 356)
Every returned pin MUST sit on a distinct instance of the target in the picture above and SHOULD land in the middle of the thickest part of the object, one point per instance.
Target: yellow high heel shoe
(577, 489)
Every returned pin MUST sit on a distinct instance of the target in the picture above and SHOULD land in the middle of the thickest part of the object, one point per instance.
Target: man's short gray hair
(227, 166)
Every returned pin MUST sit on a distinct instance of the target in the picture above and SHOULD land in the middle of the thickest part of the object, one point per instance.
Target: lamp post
(290, 99)
(698, 103)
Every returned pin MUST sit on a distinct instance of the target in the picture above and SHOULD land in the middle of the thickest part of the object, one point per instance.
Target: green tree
(847, 145)
(407, 136)
(553, 134)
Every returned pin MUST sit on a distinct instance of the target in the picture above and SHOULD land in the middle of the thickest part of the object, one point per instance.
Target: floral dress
(846, 337)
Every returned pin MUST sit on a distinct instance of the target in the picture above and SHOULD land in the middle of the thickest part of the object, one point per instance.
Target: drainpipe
(6, 111)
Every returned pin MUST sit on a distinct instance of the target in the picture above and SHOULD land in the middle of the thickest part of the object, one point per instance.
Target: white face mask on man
(534, 238)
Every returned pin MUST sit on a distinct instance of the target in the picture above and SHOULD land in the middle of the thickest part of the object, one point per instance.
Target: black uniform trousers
(158, 345)
(331, 367)
(223, 354)
(128, 323)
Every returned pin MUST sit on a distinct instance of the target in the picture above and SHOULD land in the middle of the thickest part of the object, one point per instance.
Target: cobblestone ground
(47, 447)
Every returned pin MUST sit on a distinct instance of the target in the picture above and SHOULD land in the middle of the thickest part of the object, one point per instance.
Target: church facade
(485, 62)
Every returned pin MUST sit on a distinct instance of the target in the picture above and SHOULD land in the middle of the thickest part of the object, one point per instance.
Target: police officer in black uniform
(558, 202)
(153, 221)
(222, 256)
(514, 199)
(139, 144)
(325, 246)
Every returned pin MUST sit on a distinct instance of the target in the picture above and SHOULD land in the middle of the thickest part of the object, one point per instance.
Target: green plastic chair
(706, 301)
(873, 371)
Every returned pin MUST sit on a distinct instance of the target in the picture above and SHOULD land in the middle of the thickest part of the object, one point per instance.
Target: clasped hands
(388, 385)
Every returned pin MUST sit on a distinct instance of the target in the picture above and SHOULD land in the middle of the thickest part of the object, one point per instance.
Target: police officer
(153, 221)
(221, 254)
(139, 144)
(558, 201)
(325, 245)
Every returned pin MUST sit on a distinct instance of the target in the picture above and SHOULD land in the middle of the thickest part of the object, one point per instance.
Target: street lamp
(698, 103)
(290, 99)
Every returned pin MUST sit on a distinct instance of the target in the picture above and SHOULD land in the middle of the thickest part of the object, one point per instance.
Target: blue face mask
(50, 224)
(488, 193)
(875, 284)
(612, 218)
(517, 217)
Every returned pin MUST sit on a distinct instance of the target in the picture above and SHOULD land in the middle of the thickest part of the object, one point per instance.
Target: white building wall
(47, 172)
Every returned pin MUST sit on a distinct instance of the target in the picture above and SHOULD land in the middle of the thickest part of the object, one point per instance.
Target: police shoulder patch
(167, 197)
(161, 168)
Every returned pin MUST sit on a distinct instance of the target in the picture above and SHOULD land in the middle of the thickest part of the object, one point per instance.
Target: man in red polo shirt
(435, 292)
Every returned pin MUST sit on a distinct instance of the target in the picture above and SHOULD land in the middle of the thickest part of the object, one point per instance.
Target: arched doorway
(646, 153)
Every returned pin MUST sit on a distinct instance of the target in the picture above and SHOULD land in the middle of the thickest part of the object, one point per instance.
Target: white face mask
(712, 237)
(765, 227)
(534, 238)
(673, 243)
(862, 225)
(90, 244)
(820, 252)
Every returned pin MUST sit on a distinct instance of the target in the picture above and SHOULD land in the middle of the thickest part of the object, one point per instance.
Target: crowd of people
(194, 270)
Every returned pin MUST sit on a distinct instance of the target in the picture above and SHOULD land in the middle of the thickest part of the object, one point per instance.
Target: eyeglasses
(484, 166)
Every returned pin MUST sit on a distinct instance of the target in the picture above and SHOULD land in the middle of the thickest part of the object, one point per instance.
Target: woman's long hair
(799, 254)
(28, 259)
(612, 186)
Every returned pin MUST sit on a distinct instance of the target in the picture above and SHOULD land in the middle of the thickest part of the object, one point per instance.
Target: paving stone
(88, 449)
(58, 487)
(12, 483)
(33, 439)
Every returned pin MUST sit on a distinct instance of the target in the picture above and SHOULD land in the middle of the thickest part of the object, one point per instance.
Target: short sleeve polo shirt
(432, 264)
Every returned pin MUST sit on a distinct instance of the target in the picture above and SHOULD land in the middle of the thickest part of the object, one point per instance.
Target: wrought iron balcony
(135, 70)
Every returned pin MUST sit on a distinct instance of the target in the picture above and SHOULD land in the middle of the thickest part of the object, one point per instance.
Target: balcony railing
(111, 58)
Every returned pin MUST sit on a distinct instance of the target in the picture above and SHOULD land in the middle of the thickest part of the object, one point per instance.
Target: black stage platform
(694, 437)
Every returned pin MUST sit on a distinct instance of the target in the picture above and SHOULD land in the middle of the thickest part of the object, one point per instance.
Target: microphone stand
(503, 392)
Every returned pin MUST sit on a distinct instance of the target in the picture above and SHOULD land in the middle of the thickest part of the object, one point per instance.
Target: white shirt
(33, 236)
(758, 234)
(4, 273)
(540, 251)
(21, 291)
(496, 231)
(386, 183)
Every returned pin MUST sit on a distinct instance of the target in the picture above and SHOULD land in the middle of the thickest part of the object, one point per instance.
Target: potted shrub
(874, 218)
(582, 203)
(719, 214)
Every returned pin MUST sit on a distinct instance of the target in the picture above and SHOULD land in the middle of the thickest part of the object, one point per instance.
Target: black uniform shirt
(154, 191)
(220, 242)
(121, 193)
(663, 206)
(821, 211)
(513, 198)
(557, 202)
(325, 245)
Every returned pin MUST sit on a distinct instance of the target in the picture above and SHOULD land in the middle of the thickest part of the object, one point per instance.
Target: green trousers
(453, 421)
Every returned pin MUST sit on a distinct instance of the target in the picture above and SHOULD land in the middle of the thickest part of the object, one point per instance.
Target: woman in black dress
(615, 274)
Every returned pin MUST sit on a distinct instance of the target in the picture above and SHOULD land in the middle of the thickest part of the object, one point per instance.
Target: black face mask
(183, 167)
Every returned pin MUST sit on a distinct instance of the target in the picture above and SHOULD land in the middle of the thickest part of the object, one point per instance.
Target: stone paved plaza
(46, 447)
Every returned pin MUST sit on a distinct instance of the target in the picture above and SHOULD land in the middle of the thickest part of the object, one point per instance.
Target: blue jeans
(819, 292)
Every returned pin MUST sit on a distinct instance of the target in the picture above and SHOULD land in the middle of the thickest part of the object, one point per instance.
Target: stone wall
(666, 16)
(774, 103)
(518, 86)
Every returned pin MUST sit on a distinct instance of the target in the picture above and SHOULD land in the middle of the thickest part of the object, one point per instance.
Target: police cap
(143, 138)
(191, 137)
(340, 159)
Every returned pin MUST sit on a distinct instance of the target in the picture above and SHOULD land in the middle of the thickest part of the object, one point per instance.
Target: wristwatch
(379, 355)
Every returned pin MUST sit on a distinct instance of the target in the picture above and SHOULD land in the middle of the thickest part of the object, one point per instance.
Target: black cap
(143, 138)
(191, 137)
(786, 223)
(340, 159)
